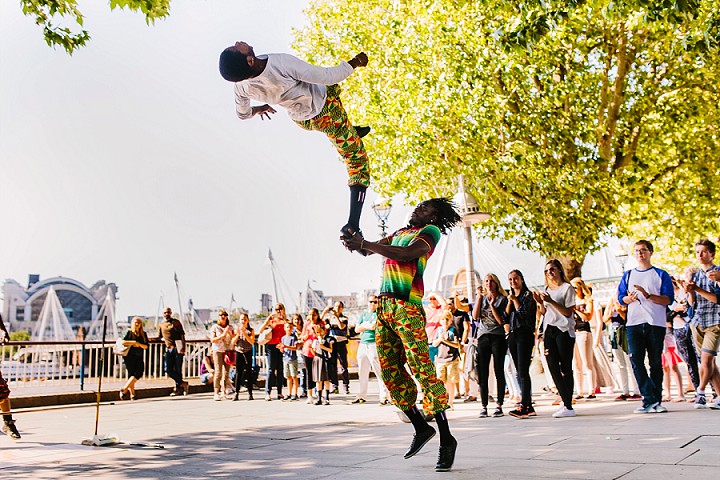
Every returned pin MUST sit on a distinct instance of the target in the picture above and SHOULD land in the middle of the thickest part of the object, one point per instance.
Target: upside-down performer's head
(237, 62)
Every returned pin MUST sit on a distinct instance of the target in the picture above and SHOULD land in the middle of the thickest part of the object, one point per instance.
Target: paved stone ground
(258, 439)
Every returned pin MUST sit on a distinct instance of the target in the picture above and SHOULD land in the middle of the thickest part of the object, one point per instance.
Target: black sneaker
(10, 429)
(498, 412)
(483, 413)
(419, 440)
(358, 400)
(446, 456)
(531, 411)
(361, 131)
(518, 413)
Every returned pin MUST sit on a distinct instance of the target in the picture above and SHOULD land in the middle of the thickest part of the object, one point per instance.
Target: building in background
(22, 304)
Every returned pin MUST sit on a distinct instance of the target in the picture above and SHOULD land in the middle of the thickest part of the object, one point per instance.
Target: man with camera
(338, 326)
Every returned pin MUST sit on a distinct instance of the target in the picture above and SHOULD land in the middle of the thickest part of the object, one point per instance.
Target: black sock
(357, 198)
(443, 427)
(417, 419)
(327, 395)
(7, 417)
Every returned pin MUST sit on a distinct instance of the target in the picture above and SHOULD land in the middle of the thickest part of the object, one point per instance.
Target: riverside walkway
(203, 438)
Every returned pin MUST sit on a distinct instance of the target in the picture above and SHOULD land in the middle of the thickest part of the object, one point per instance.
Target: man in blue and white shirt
(647, 291)
(702, 293)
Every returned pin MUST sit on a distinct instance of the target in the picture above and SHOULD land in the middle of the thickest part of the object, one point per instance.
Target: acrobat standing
(8, 427)
(400, 334)
(311, 96)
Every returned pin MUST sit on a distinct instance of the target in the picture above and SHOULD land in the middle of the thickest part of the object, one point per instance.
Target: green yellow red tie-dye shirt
(404, 280)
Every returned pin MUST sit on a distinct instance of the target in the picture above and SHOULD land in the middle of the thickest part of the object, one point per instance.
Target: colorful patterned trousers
(333, 122)
(400, 337)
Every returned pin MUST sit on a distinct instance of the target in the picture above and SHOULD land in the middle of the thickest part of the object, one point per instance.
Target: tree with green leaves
(50, 15)
(571, 120)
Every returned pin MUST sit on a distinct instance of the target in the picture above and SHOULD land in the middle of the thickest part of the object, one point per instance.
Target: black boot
(419, 440)
(361, 131)
(446, 456)
(10, 429)
(357, 199)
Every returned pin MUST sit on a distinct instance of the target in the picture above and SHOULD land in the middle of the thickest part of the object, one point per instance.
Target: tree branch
(625, 57)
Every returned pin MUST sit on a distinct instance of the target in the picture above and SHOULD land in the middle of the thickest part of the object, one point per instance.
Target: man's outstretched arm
(416, 249)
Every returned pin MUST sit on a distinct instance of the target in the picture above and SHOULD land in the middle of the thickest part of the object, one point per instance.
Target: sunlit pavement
(203, 438)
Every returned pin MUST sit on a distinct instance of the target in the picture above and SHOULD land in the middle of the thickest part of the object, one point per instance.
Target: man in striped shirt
(400, 335)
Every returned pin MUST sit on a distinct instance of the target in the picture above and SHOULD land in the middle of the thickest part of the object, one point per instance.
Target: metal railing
(68, 364)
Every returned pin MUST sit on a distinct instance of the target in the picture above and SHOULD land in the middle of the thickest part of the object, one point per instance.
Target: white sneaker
(217, 397)
(716, 404)
(660, 409)
(563, 412)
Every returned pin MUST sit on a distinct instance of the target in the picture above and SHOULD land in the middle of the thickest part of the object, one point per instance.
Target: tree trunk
(572, 267)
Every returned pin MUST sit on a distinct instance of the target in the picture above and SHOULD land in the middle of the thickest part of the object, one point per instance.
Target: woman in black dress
(137, 340)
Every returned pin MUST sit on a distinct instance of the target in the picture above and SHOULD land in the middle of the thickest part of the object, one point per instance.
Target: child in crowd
(447, 361)
(670, 362)
(323, 346)
(207, 370)
(288, 346)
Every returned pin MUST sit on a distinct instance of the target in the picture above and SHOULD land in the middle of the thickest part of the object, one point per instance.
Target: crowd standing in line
(654, 320)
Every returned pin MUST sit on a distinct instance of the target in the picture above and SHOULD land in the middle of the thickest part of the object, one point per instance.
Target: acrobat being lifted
(311, 96)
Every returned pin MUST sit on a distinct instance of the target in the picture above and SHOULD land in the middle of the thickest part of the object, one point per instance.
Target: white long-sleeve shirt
(291, 83)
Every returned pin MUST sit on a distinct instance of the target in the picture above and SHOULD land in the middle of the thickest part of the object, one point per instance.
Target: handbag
(120, 348)
(230, 357)
(265, 336)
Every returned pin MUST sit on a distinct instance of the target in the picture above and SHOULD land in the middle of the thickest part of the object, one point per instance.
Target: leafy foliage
(571, 120)
(50, 13)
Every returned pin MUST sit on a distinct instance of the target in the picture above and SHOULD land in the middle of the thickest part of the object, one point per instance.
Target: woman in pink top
(307, 337)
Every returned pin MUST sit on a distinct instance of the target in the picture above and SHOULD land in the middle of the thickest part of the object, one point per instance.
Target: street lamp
(621, 256)
(470, 214)
(381, 207)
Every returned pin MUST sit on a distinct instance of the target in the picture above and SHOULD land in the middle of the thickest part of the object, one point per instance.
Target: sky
(125, 162)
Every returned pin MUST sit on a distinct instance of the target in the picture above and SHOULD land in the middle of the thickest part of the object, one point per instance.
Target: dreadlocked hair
(446, 211)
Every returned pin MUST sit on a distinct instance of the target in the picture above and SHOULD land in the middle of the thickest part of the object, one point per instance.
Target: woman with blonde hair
(220, 338)
(489, 335)
(557, 303)
(585, 364)
(137, 340)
